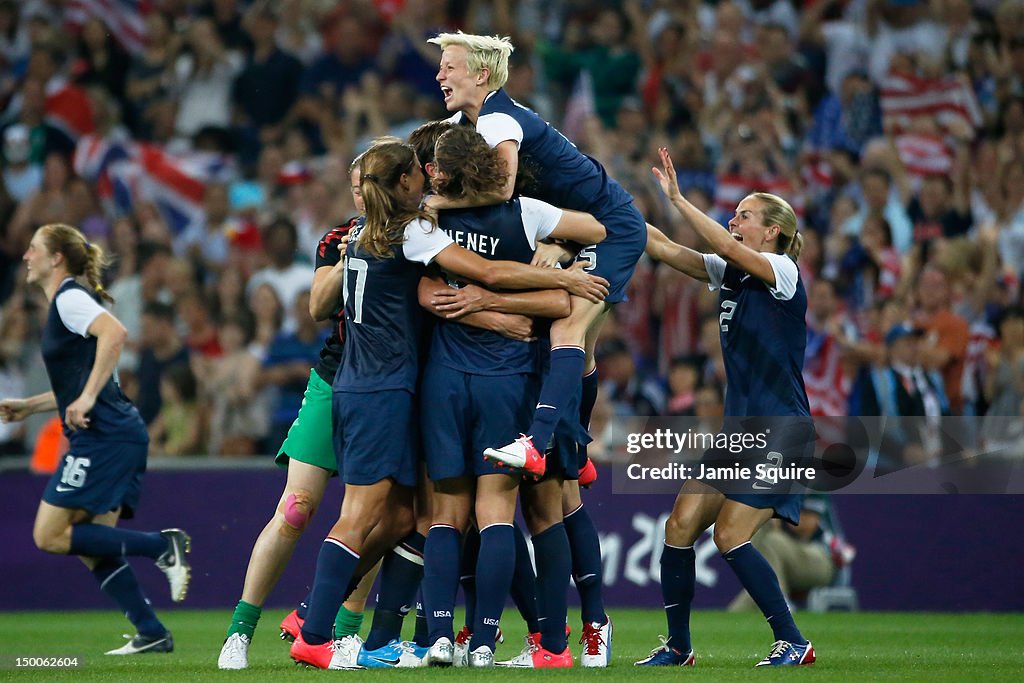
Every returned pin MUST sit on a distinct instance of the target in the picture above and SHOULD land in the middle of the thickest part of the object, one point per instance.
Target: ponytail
(81, 257)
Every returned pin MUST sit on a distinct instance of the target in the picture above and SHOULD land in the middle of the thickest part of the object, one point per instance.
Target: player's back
(496, 232)
(382, 320)
(566, 176)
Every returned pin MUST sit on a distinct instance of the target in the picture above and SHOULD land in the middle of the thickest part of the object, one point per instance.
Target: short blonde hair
(491, 52)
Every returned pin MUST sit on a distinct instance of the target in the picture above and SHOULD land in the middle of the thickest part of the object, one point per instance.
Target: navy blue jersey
(327, 254)
(566, 177)
(763, 335)
(69, 353)
(502, 232)
(382, 312)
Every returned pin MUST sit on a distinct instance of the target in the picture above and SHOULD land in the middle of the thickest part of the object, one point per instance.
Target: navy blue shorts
(788, 441)
(376, 436)
(462, 414)
(99, 477)
(616, 257)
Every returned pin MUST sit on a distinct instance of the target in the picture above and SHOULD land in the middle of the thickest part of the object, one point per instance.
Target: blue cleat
(788, 654)
(666, 655)
(396, 654)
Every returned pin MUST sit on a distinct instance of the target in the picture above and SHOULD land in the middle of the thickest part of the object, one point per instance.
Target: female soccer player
(477, 388)
(378, 375)
(472, 71)
(308, 453)
(762, 307)
(102, 473)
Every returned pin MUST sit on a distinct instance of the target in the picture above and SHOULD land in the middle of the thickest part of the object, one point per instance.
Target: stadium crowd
(206, 146)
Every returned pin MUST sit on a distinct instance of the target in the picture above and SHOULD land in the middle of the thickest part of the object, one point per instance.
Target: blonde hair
(81, 257)
(381, 168)
(776, 211)
(491, 52)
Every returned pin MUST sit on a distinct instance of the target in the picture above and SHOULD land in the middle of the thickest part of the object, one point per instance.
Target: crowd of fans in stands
(895, 127)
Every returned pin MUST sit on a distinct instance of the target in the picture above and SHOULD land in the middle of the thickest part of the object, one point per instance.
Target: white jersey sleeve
(786, 276)
(498, 127)
(77, 310)
(715, 265)
(539, 218)
(423, 241)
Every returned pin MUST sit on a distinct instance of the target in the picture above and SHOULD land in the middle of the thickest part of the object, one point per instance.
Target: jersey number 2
(359, 266)
(728, 310)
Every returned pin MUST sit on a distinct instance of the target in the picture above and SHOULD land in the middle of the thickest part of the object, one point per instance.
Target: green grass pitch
(860, 646)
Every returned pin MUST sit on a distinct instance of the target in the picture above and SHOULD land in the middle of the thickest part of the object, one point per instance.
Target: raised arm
(683, 259)
(720, 241)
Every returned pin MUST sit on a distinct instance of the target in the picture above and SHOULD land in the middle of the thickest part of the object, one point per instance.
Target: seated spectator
(629, 393)
(284, 275)
(683, 381)
(179, 427)
(160, 347)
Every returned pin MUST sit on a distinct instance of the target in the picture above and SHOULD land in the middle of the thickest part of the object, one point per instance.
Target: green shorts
(310, 437)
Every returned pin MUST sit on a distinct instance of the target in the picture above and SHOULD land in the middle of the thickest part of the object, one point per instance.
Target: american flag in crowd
(124, 18)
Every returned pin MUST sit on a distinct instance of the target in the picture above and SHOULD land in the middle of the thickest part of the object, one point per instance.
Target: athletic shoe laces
(592, 637)
(779, 648)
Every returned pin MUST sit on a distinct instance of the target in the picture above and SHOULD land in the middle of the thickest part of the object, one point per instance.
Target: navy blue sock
(467, 573)
(117, 580)
(524, 583)
(97, 540)
(559, 387)
(591, 380)
(494, 577)
(422, 633)
(587, 570)
(441, 580)
(400, 576)
(678, 578)
(554, 565)
(758, 577)
(335, 566)
(303, 606)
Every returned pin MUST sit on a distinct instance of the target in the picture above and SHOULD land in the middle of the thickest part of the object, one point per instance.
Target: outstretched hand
(666, 175)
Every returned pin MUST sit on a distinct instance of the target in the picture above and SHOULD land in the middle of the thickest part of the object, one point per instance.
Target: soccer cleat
(235, 652)
(587, 474)
(519, 455)
(396, 654)
(666, 655)
(291, 626)
(534, 656)
(334, 654)
(461, 645)
(787, 654)
(441, 653)
(597, 644)
(532, 641)
(483, 656)
(141, 644)
(173, 563)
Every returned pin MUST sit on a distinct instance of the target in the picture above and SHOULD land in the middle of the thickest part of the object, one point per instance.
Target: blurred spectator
(207, 244)
(203, 78)
(30, 112)
(201, 335)
(871, 268)
(14, 349)
(226, 18)
(21, 176)
(297, 34)
(944, 347)
(133, 292)
(268, 314)
(880, 196)
(267, 87)
(404, 54)
(1004, 387)
(683, 382)
(286, 368)
(160, 347)
(825, 368)
(14, 42)
(101, 60)
(178, 428)
(628, 393)
(228, 384)
(284, 275)
(49, 204)
(905, 389)
(151, 74)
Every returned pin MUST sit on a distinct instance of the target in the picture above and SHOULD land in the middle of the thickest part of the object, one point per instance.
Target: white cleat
(173, 563)
(346, 653)
(441, 653)
(140, 644)
(597, 644)
(235, 652)
(483, 656)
